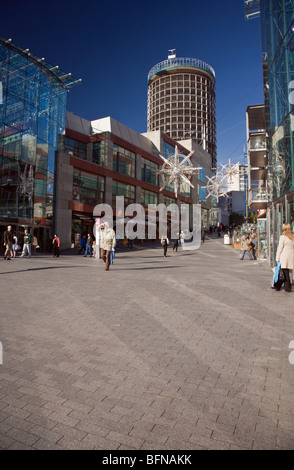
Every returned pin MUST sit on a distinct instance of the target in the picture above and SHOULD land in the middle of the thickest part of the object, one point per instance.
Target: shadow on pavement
(41, 269)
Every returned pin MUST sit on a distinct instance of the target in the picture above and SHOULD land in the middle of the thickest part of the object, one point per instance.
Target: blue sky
(112, 46)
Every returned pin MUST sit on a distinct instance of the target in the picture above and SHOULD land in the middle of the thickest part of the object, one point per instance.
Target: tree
(236, 218)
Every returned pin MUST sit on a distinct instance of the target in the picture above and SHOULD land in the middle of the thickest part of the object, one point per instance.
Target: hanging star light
(176, 169)
(229, 171)
(216, 187)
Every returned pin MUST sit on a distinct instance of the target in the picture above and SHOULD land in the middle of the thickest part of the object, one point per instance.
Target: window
(148, 172)
(202, 173)
(87, 188)
(148, 197)
(201, 194)
(100, 152)
(185, 189)
(75, 148)
(124, 161)
(126, 190)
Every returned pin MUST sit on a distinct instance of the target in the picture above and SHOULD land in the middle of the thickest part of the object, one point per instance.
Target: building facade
(99, 160)
(277, 37)
(181, 101)
(33, 99)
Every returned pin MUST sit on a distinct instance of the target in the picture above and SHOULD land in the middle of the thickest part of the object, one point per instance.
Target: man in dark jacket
(8, 242)
(82, 245)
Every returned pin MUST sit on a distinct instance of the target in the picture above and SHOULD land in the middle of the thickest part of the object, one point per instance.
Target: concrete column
(108, 190)
(64, 187)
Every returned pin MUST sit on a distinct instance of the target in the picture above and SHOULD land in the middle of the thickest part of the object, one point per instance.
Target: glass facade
(74, 147)
(148, 172)
(87, 188)
(148, 197)
(277, 24)
(124, 161)
(277, 33)
(126, 190)
(32, 114)
(100, 152)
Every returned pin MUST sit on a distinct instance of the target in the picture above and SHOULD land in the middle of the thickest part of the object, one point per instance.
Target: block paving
(185, 352)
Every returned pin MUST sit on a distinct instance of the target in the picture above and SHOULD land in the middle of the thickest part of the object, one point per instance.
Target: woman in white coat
(285, 255)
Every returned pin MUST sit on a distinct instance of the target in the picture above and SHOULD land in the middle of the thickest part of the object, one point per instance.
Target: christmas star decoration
(176, 169)
(216, 187)
(229, 171)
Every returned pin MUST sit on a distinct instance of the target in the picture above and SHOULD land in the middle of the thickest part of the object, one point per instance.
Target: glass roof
(67, 80)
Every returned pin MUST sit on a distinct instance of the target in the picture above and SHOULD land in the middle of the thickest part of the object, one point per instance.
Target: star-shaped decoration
(229, 171)
(216, 187)
(176, 169)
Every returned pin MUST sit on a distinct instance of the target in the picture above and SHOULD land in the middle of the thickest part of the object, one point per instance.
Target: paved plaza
(185, 352)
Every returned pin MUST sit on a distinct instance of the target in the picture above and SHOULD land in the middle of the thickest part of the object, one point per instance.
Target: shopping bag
(278, 268)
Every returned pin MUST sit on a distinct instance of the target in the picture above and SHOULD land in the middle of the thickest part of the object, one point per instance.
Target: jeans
(243, 254)
(88, 249)
(26, 250)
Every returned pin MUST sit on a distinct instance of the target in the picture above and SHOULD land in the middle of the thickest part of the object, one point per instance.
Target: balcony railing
(258, 195)
(180, 62)
(257, 144)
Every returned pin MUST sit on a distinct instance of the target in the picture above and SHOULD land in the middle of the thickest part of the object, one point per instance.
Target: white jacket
(108, 240)
(285, 252)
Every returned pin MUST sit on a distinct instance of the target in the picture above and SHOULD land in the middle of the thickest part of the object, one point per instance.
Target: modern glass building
(33, 99)
(277, 36)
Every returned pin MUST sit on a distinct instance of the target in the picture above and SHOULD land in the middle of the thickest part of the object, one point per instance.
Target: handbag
(279, 277)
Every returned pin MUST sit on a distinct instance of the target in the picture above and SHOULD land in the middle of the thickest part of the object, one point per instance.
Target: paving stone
(187, 352)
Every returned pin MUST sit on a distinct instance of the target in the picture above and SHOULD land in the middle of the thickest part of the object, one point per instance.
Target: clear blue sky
(111, 45)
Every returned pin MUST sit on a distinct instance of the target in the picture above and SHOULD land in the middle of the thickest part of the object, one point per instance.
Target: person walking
(34, 244)
(26, 244)
(253, 243)
(203, 235)
(164, 242)
(89, 244)
(285, 255)
(82, 245)
(245, 243)
(107, 244)
(8, 240)
(176, 244)
(15, 246)
(56, 245)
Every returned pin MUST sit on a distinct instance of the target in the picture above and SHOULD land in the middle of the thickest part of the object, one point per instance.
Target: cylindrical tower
(181, 101)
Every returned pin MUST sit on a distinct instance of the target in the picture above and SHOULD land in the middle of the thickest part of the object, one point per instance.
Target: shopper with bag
(285, 255)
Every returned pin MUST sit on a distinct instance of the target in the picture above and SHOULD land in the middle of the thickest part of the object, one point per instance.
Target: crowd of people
(29, 245)
(108, 242)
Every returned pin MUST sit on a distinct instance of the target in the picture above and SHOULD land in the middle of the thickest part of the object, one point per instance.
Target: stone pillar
(64, 187)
